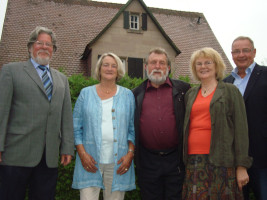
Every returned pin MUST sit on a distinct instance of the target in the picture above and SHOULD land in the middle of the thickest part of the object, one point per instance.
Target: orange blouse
(200, 125)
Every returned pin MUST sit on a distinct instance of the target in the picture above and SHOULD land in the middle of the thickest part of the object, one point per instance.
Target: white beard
(158, 80)
(41, 61)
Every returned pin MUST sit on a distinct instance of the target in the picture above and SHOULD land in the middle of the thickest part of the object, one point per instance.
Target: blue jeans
(257, 182)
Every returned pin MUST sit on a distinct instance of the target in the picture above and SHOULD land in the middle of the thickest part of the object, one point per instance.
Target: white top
(106, 156)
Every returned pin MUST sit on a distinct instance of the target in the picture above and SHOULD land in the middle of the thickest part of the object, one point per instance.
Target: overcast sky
(227, 18)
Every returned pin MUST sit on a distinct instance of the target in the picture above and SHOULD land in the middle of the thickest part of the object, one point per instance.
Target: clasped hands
(89, 164)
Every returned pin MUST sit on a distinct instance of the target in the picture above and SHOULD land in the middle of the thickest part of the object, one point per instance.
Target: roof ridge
(119, 5)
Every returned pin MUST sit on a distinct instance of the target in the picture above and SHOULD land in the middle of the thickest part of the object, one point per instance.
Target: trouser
(159, 176)
(40, 180)
(92, 193)
(257, 182)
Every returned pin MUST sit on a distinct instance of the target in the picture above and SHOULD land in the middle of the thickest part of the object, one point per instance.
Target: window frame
(135, 22)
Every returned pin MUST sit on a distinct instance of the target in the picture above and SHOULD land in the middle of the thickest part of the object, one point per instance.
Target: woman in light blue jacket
(104, 134)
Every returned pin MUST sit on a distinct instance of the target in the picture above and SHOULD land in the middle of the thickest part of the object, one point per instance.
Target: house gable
(128, 43)
(144, 21)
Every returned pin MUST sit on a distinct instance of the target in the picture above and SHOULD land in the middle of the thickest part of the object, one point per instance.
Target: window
(123, 60)
(134, 21)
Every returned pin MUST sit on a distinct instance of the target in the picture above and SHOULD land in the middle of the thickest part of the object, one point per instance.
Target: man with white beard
(35, 122)
(159, 118)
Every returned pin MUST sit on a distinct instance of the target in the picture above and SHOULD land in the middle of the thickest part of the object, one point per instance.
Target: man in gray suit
(35, 122)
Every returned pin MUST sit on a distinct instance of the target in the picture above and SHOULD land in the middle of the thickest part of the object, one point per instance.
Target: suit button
(116, 154)
(113, 110)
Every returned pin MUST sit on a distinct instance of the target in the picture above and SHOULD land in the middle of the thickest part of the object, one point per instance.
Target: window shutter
(135, 67)
(126, 19)
(144, 21)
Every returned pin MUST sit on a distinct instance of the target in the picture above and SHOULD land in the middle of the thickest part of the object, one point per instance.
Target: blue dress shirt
(39, 71)
(241, 83)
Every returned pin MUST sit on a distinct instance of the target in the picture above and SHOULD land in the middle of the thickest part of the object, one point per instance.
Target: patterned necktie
(46, 81)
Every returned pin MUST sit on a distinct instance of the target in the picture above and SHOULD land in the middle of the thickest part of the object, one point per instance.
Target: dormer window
(134, 22)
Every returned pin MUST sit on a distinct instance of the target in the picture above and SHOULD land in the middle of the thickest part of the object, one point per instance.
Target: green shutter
(126, 19)
(144, 21)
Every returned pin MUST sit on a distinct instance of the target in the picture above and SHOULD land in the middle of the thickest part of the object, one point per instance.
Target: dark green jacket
(229, 130)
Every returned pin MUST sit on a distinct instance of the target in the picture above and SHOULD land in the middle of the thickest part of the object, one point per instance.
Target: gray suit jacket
(29, 123)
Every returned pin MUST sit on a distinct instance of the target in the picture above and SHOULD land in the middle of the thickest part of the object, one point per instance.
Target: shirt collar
(35, 64)
(248, 70)
(167, 83)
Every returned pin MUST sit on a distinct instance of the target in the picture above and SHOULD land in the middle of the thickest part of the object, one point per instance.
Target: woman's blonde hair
(212, 54)
(99, 63)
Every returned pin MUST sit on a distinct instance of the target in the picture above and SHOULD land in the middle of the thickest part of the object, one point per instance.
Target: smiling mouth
(204, 72)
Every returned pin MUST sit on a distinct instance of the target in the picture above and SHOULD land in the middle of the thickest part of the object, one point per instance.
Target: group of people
(204, 142)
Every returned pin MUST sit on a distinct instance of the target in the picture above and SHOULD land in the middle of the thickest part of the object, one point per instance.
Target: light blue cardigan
(87, 119)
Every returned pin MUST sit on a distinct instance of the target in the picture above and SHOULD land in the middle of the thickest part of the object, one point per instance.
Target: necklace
(205, 90)
(106, 91)
(208, 90)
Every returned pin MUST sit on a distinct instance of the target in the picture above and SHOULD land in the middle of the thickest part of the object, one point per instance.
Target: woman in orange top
(215, 133)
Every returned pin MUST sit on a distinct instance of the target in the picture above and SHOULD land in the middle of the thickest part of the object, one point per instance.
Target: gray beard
(155, 79)
(41, 61)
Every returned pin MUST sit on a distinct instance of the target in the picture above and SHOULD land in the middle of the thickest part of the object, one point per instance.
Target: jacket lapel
(230, 79)
(252, 80)
(31, 71)
(140, 97)
(218, 93)
(55, 80)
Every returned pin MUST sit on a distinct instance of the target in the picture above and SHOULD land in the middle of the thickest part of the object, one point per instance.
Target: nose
(157, 65)
(109, 67)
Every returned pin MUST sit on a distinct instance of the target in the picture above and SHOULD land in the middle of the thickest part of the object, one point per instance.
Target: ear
(254, 52)
(30, 49)
(169, 68)
(145, 66)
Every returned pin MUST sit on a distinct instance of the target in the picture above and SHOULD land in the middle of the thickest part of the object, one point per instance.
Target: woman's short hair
(99, 63)
(37, 31)
(212, 54)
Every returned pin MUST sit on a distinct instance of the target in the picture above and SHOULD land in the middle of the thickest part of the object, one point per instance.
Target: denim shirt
(87, 119)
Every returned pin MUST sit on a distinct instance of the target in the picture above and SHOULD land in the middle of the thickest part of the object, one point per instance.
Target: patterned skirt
(204, 181)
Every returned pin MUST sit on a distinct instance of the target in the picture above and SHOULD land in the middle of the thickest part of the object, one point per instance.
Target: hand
(65, 159)
(241, 177)
(0, 156)
(88, 162)
(125, 162)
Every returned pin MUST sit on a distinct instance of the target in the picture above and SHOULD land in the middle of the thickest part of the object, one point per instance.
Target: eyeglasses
(41, 43)
(244, 51)
(206, 63)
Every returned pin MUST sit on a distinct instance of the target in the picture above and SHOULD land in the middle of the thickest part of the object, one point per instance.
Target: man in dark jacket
(251, 80)
(159, 121)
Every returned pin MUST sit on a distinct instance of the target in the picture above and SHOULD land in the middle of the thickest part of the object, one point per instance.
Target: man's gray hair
(244, 38)
(37, 31)
(158, 50)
